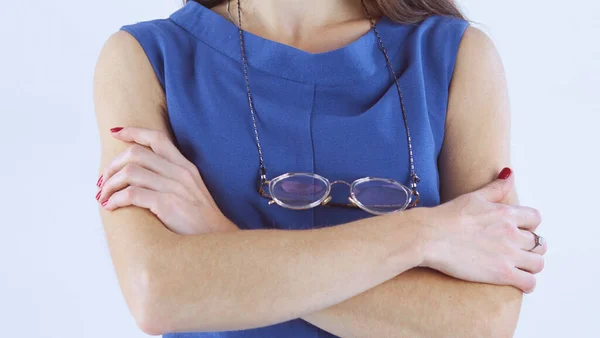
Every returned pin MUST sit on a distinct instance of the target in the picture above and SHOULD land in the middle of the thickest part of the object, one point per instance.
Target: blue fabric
(335, 113)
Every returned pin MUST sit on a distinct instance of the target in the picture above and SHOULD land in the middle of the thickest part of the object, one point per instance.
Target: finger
(498, 189)
(526, 218)
(162, 145)
(156, 140)
(146, 158)
(143, 198)
(134, 175)
(523, 280)
(530, 262)
(528, 242)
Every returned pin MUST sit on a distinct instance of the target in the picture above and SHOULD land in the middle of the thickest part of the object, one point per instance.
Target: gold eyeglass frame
(413, 197)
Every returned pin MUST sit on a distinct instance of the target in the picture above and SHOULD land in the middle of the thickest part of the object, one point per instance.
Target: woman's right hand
(477, 238)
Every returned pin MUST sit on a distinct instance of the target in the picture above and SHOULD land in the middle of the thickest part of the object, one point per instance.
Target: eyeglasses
(300, 191)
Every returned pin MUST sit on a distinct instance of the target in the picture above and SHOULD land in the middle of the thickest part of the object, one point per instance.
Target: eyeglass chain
(263, 171)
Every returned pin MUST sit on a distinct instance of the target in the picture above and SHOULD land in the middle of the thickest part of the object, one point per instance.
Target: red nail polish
(98, 195)
(505, 173)
(104, 203)
(99, 183)
(116, 129)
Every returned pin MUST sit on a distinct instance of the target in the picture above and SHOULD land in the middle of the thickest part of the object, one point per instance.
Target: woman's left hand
(153, 174)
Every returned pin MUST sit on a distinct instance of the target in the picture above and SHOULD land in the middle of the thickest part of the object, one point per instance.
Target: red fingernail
(116, 129)
(505, 173)
(99, 183)
(98, 195)
(104, 203)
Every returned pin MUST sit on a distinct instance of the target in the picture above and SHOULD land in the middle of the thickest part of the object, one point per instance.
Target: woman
(203, 116)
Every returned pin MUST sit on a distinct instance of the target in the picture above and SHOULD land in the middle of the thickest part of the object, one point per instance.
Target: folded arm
(199, 283)
(424, 302)
(174, 282)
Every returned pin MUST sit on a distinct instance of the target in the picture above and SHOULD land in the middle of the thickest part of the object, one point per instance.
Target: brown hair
(402, 11)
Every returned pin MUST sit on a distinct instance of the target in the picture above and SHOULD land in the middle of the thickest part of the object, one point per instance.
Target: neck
(292, 17)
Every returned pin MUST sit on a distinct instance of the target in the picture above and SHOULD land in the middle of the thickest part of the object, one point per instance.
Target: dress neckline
(352, 62)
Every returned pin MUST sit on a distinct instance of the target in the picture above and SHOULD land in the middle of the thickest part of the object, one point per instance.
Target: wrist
(418, 218)
(419, 221)
(426, 234)
(409, 237)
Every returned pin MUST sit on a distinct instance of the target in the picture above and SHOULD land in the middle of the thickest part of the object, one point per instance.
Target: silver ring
(539, 240)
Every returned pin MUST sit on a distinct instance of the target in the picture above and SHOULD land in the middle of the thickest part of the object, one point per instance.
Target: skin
(424, 302)
(374, 277)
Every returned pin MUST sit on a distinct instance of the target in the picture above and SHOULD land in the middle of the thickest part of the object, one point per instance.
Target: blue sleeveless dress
(335, 113)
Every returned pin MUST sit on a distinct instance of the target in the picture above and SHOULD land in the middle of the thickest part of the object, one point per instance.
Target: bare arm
(424, 302)
(174, 282)
(199, 283)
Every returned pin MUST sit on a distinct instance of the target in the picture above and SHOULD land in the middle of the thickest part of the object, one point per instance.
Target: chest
(341, 132)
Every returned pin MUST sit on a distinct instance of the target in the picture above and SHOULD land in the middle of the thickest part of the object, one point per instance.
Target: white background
(56, 276)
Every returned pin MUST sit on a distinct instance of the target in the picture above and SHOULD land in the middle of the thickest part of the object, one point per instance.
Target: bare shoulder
(120, 52)
(477, 131)
(475, 37)
(477, 46)
(122, 41)
(477, 58)
(120, 48)
(124, 72)
(478, 84)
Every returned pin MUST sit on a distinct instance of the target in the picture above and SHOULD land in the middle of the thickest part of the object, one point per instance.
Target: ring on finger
(539, 241)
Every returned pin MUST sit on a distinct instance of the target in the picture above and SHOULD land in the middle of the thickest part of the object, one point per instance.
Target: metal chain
(414, 178)
(263, 172)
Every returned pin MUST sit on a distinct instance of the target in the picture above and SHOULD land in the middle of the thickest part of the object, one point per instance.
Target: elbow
(146, 304)
(148, 323)
(148, 326)
(496, 324)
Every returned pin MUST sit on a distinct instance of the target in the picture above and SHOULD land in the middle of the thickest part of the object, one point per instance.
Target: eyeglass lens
(381, 196)
(299, 191)
(303, 191)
